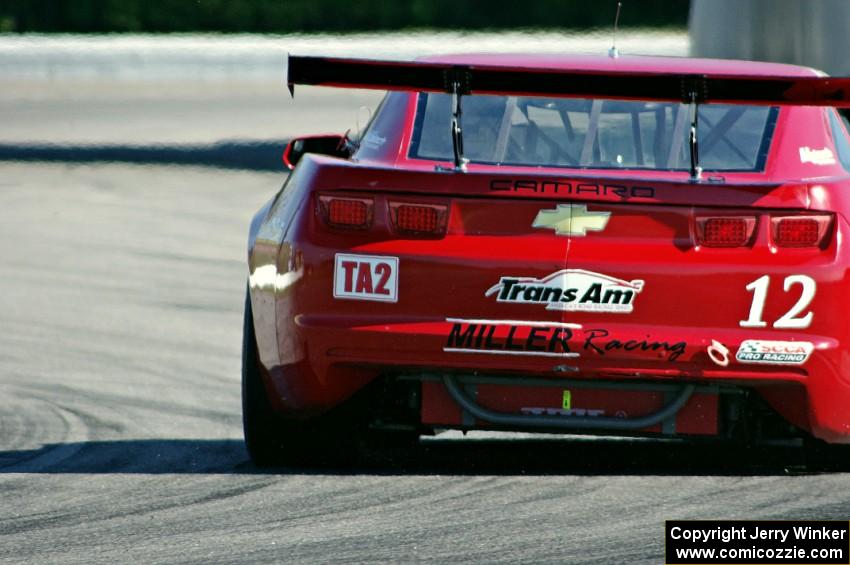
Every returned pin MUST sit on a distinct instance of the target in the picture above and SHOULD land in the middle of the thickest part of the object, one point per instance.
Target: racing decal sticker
(718, 353)
(366, 277)
(571, 290)
(817, 156)
(597, 340)
(546, 339)
(774, 352)
(510, 337)
(793, 318)
(571, 219)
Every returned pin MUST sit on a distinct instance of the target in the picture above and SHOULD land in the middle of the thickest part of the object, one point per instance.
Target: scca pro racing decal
(366, 277)
(774, 352)
(572, 290)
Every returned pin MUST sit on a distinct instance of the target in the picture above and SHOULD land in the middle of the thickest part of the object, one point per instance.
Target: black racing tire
(260, 423)
(274, 441)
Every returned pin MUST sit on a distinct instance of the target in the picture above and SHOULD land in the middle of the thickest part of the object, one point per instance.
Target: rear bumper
(342, 355)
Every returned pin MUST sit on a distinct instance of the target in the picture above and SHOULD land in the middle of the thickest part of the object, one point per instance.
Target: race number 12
(793, 318)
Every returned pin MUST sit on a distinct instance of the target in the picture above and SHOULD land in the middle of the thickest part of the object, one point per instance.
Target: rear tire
(272, 440)
(260, 423)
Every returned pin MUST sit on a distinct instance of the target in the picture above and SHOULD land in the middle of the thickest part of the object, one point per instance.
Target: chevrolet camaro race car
(631, 246)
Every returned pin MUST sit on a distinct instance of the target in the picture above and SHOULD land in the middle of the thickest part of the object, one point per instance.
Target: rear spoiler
(567, 83)
(460, 80)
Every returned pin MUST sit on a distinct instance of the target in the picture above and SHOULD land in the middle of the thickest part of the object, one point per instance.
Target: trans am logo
(571, 290)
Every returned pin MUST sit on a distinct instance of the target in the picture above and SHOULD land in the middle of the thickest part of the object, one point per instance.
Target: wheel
(339, 437)
(271, 440)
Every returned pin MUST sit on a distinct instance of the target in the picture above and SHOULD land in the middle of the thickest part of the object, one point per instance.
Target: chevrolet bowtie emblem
(571, 219)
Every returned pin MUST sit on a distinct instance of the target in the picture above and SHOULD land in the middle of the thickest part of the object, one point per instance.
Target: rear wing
(566, 83)
(460, 80)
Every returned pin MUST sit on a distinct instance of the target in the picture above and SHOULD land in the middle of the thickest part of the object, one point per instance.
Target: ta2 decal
(774, 352)
(366, 277)
(570, 290)
(794, 318)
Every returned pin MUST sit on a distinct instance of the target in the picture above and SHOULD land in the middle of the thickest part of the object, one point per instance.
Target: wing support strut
(694, 92)
(457, 129)
(457, 84)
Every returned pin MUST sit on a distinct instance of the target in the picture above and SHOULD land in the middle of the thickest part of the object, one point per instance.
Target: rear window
(599, 134)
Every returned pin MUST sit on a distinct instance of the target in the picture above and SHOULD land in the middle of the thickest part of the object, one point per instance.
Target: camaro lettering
(571, 290)
(567, 187)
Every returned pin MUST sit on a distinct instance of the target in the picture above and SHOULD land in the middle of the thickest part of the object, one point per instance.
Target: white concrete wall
(814, 33)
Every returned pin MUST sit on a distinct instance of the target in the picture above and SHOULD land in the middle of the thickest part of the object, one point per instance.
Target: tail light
(405, 219)
(800, 231)
(352, 213)
(419, 219)
(730, 231)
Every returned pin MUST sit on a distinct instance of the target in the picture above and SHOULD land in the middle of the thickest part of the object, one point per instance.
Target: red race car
(632, 246)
